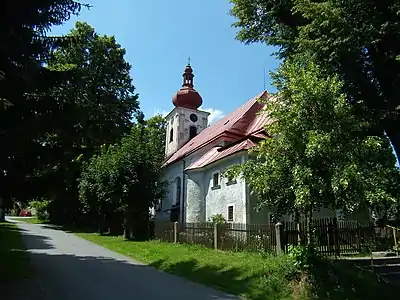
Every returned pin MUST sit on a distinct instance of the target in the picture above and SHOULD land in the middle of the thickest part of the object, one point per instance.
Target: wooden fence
(332, 237)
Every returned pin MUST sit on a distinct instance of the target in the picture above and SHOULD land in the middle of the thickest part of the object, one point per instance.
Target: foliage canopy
(321, 154)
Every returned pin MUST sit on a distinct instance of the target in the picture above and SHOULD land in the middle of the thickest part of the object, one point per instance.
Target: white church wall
(195, 201)
(185, 123)
(219, 199)
(179, 123)
(171, 143)
(170, 174)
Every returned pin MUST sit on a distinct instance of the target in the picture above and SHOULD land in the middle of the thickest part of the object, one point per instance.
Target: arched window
(192, 132)
(178, 190)
(171, 135)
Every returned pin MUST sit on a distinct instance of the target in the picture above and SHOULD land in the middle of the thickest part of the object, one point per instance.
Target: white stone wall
(179, 121)
(172, 123)
(195, 200)
(218, 200)
(201, 201)
(171, 173)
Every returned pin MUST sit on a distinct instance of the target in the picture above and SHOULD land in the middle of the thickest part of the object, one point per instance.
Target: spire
(187, 96)
(188, 75)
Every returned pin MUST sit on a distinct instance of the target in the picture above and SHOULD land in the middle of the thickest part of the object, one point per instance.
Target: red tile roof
(218, 153)
(237, 125)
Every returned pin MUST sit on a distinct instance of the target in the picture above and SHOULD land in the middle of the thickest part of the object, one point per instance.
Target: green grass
(14, 260)
(31, 220)
(245, 274)
(251, 275)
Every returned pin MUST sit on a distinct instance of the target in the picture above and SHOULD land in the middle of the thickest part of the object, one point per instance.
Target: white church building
(197, 153)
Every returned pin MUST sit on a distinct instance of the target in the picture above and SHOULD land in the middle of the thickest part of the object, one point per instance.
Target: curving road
(70, 268)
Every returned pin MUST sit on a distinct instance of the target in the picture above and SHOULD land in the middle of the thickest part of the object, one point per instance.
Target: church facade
(198, 153)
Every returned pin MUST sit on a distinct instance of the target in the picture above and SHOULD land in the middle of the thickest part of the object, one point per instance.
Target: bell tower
(185, 121)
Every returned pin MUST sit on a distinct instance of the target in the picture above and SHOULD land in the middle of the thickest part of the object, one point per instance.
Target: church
(198, 153)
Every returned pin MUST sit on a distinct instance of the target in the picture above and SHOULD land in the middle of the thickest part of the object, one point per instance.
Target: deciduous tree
(320, 153)
(24, 86)
(356, 39)
(126, 178)
(94, 107)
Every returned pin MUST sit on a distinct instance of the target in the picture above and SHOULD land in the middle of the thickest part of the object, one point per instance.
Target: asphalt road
(71, 268)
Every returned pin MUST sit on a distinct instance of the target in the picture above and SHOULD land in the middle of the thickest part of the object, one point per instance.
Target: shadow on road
(72, 269)
(70, 277)
(93, 273)
(35, 242)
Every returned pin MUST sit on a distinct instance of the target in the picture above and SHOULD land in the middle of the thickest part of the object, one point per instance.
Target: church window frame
(230, 180)
(178, 190)
(216, 180)
(230, 213)
(171, 135)
(193, 118)
(192, 131)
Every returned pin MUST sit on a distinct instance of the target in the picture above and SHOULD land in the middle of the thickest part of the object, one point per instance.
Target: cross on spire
(189, 61)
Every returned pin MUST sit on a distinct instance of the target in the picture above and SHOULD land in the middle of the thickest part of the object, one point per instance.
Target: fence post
(358, 236)
(336, 237)
(175, 232)
(278, 228)
(395, 241)
(216, 229)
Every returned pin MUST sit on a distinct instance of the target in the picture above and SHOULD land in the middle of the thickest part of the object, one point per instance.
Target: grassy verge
(245, 274)
(14, 261)
(250, 275)
(31, 220)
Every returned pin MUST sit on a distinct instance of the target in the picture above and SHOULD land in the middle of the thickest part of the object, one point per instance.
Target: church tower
(185, 121)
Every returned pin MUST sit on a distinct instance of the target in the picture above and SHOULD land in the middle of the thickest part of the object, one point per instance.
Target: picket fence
(333, 237)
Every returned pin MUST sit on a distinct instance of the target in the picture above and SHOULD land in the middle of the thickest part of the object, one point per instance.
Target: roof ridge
(215, 130)
(253, 99)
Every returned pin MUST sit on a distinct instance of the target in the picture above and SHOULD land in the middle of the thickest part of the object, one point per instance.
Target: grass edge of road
(252, 275)
(237, 273)
(30, 220)
(14, 260)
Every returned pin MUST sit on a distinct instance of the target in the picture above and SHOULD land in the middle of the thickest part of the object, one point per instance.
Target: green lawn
(245, 274)
(32, 220)
(251, 275)
(14, 261)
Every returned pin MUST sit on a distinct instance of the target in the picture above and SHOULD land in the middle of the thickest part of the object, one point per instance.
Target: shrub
(41, 208)
(217, 219)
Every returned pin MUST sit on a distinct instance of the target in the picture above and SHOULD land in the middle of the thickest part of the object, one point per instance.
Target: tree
(124, 178)
(95, 107)
(356, 39)
(24, 86)
(321, 154)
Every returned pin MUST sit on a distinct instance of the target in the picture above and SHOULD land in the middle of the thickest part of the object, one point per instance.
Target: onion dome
(187, 96)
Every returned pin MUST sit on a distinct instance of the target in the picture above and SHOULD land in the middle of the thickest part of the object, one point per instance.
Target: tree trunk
(393, 132)
(128, 225)
(2, 214)
(101, 221)
(2, 209)
(310, 229)
(141, 226)
(297, 221)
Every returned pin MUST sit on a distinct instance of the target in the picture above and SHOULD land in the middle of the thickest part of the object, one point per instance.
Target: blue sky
(160, 35)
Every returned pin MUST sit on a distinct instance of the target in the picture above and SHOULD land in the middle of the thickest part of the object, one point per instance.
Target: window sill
(216, 187)
(231, 182)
